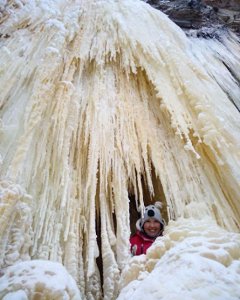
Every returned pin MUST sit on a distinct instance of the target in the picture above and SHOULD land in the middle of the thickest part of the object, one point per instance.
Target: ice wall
(94, 95)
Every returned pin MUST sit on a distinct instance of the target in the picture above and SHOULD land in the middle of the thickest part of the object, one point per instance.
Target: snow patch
(39, 279)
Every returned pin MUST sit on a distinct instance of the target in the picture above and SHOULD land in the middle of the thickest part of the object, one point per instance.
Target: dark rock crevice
(198, 14)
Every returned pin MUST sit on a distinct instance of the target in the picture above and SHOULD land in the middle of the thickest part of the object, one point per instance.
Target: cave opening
(148, 198)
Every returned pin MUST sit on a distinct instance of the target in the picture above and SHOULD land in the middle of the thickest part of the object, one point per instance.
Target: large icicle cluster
(94, 97)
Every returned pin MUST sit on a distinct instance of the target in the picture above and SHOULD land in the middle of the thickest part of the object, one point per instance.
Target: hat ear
(138, 225)
(158, 204)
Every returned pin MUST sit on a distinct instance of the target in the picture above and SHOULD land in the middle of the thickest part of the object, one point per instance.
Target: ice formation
(38, 279)
(95, 97)
(194, 260)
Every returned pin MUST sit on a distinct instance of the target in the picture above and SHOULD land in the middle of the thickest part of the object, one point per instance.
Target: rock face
(227, 4)
(196, 14)
(228, 12)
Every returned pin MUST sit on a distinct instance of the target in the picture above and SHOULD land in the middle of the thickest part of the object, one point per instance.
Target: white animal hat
(151, 211)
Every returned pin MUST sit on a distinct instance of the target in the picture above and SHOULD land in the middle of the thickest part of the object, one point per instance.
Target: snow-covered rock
(38, 279)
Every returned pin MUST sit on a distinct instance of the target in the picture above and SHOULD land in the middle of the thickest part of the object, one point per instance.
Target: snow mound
(194, 260)
(38, 279)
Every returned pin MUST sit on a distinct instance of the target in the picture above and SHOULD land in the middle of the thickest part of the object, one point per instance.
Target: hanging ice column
(93, 95)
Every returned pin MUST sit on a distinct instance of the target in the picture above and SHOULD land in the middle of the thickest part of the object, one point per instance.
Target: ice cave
(105, 106)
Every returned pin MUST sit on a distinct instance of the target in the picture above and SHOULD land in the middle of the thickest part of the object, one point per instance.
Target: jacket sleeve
(134, 246)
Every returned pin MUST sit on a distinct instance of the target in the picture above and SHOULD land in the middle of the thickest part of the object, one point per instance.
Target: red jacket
(140, 243)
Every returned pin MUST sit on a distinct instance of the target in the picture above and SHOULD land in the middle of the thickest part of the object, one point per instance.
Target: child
(148, 229)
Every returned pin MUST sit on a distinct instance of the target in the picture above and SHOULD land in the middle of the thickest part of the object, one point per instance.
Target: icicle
(16, 218)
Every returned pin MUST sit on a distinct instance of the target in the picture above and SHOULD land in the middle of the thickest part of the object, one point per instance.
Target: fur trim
(138, 225)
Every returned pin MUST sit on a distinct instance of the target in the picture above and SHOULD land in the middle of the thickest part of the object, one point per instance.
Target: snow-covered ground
(38, 279)
(194, 260)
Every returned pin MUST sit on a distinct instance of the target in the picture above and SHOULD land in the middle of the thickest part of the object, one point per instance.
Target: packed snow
(193, 260)
(38, 279)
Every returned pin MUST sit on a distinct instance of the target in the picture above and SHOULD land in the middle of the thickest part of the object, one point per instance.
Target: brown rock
(198, 14)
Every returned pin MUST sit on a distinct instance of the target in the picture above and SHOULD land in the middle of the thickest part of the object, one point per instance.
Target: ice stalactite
(225, 66)
(15, 223)
(95, 95)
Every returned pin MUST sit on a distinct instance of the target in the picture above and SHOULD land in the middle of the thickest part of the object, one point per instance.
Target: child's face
(152, 227)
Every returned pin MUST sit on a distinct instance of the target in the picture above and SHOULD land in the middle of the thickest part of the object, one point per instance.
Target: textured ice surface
(95, 97)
